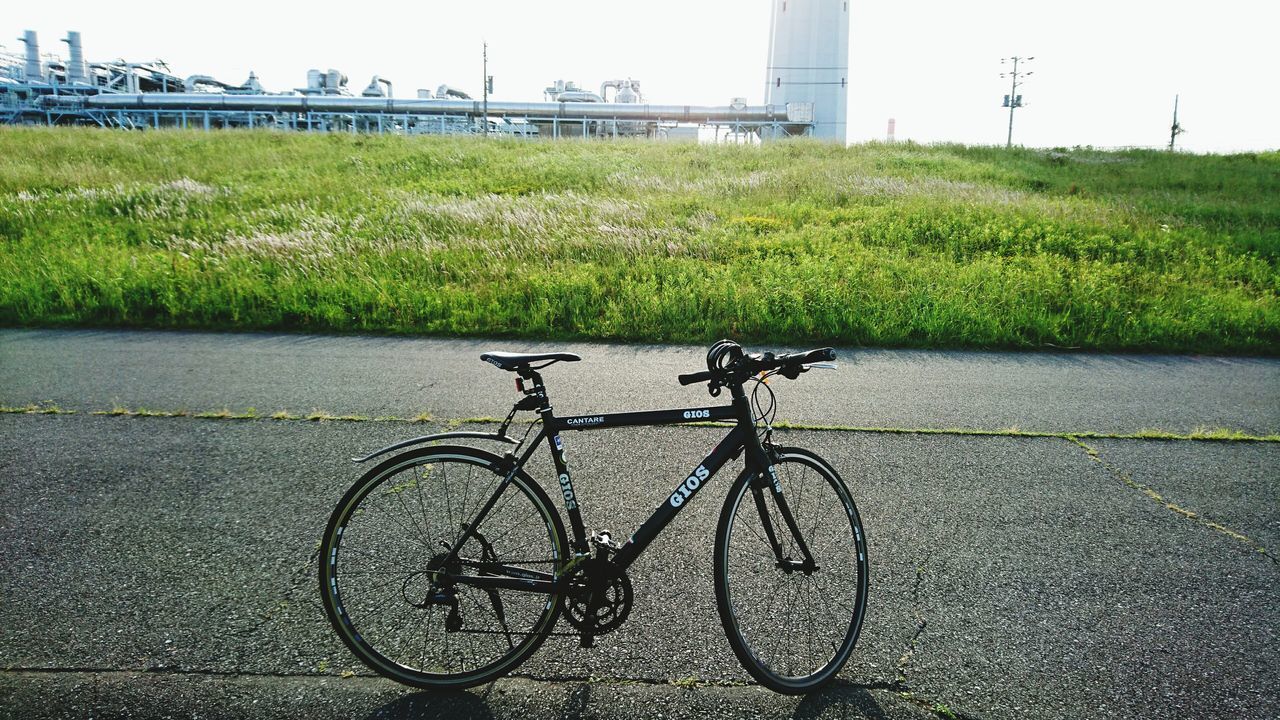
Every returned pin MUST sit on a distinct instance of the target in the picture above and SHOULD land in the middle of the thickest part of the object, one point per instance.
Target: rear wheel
(792, 626)
(385, 571)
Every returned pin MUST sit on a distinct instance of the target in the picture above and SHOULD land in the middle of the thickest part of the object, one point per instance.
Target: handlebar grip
(820, 355)
(805, 358)
(691, 378)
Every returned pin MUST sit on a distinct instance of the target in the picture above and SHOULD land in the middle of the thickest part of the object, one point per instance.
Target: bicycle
(447, 566)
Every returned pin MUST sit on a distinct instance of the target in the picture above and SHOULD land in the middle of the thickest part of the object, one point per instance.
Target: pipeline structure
(35, 89)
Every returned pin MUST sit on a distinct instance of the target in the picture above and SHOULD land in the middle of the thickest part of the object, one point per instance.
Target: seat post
(529, 373)
(539, 388)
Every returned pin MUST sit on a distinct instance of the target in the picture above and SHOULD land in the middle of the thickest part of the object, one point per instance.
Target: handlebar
(691, 378)
(727, 364)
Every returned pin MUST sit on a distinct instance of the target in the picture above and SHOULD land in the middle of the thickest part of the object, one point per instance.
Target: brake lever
(820, 366)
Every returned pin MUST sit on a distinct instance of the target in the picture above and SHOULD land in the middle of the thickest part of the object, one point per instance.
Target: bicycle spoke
(494, 541)
(426, 636)
(379, 557)
(423, 480)
(387, 542)
(793, 628)
(425, 542)
(399, 578)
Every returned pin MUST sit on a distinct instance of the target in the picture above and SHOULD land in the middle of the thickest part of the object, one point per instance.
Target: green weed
(791, 242)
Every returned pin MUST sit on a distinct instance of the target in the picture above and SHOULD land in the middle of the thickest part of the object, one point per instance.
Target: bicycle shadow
(436, 705)
(468, 705)
(841, 699)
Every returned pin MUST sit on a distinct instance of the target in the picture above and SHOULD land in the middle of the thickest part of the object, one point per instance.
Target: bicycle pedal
(604, 539)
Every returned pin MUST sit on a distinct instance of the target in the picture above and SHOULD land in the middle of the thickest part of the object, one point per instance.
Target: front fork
(767, 480)
(763, 457)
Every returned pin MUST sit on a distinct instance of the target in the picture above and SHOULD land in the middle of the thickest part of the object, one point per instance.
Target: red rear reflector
(520, 384)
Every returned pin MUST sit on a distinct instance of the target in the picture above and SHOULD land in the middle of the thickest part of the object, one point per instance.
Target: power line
(1013, 100)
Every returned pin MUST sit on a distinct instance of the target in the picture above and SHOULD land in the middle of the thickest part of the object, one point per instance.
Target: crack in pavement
(206, 672)
(900, 680)
(900, 684)
(1198, 435)
(1172, 507)
(298, 578)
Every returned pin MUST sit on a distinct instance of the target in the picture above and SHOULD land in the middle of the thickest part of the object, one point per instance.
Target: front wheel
(792, 623)
(386, 576)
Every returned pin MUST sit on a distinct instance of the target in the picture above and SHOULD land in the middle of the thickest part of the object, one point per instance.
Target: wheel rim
(797, 628)
(387, 597)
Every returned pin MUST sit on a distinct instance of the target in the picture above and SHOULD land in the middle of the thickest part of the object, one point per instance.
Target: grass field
(795, 242)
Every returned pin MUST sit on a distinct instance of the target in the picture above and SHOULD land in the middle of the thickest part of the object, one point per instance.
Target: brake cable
(764, 415)
(522, 404)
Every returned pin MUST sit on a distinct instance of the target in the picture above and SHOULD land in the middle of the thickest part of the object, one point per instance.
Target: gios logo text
(695, 414)
(567, 488)
(689, 487)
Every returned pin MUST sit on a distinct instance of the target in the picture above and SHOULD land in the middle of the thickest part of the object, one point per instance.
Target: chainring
(599, 597)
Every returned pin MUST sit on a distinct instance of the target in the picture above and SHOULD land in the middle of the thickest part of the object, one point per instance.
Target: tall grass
(795, 242)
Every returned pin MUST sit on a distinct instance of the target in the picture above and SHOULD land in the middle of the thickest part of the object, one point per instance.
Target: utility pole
(1176, 130)
(1013, 100)
(485, 70)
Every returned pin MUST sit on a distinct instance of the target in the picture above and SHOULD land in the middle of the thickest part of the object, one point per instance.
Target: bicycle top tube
(596, 421)
(728, 366)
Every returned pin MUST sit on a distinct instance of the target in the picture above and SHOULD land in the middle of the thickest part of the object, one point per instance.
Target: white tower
(809, 61)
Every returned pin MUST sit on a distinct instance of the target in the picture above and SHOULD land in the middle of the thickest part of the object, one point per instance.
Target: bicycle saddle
(512, 361)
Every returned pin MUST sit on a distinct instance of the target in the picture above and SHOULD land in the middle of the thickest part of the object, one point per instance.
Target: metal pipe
(447, 91)
(34, 71)
(604, 87)
(411, 106)
(194, 81)
(578, 96)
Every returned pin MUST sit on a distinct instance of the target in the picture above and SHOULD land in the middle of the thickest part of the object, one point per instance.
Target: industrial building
(806, 94)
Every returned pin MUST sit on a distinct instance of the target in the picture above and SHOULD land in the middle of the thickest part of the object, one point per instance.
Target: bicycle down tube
(733, 444)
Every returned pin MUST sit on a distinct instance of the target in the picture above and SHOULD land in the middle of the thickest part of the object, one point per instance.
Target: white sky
(1106, 71)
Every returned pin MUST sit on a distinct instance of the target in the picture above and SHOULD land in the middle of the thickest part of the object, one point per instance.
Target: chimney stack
(35, 69)
(77, 71)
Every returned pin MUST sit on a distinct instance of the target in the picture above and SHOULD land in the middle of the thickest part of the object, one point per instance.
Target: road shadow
(576, 704)
(840, 699)
(464, 705)
(435, 704)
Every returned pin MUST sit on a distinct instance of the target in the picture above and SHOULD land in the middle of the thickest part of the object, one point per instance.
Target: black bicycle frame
(728, 448)
(741, 437)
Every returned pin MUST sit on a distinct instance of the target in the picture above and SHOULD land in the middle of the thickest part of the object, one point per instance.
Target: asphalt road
(164, 567)
(375, 376)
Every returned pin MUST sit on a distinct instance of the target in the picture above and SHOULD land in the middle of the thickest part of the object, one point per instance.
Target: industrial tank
(626, 95)
(809, 61)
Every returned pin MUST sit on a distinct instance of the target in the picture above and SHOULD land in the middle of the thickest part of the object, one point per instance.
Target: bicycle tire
(381, 599)
(792, 631)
